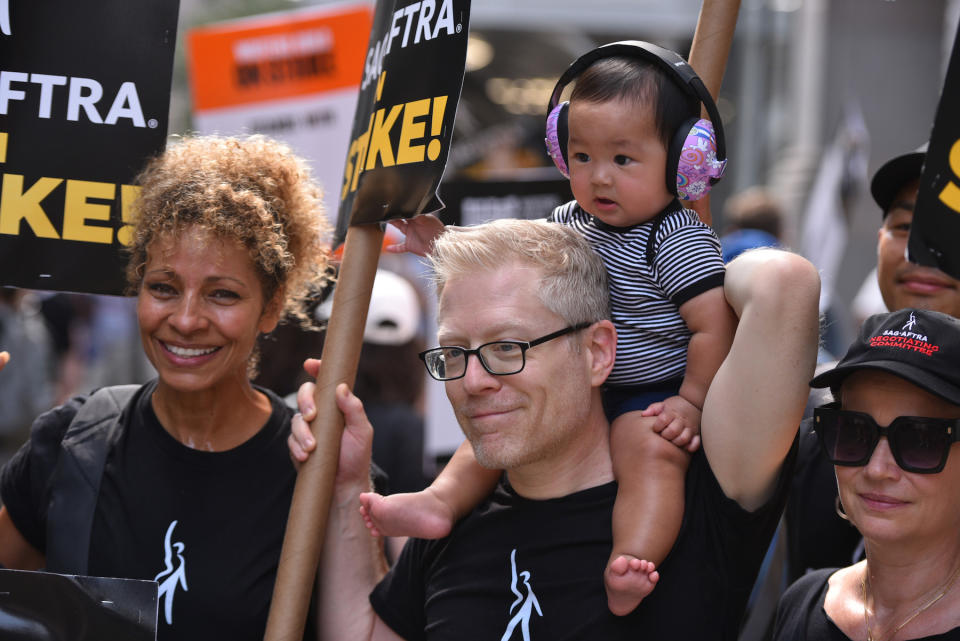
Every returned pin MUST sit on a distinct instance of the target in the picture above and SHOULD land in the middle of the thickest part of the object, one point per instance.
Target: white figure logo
(5, 17)
(171, 576)
(527, 604)
(908, 326)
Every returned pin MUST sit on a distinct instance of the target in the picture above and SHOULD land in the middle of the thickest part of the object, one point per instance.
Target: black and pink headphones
(697, 154)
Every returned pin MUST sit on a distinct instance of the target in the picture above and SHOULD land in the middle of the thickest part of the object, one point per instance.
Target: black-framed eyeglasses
(919, 444)
(500, 358)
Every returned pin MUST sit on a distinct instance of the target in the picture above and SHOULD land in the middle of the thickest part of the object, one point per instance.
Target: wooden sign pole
(313, 492)
(708, 57)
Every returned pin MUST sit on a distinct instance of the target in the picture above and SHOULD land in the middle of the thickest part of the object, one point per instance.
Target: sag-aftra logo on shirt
(524, 605)
(174, 572)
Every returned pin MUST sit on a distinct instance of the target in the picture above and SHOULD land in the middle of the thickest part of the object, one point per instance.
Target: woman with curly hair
(185, 480)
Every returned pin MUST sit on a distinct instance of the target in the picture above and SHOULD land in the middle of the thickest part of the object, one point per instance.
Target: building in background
(795, 67)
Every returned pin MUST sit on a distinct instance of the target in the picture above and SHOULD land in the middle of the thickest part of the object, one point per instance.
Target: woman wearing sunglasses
(890, 435)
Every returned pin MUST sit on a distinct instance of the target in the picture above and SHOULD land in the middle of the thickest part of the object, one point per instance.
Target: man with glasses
(526, 345)
(499, 358)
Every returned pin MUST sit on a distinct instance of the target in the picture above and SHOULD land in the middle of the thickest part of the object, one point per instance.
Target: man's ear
(602, 346)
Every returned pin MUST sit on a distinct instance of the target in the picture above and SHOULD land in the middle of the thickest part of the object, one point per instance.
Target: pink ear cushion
(698, 162)
(553, 142)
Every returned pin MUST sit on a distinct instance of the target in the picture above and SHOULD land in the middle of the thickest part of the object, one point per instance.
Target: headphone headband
(668, 60)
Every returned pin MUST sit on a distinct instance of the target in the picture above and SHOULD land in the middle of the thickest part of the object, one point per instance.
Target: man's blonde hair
(573, 282)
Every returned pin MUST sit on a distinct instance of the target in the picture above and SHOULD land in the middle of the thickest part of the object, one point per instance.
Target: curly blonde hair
(254, 190)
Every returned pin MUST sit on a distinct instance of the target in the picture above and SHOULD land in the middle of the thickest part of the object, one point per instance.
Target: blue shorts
(620, 399)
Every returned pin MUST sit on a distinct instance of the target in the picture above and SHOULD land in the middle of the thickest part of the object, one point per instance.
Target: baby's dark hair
(643, 82)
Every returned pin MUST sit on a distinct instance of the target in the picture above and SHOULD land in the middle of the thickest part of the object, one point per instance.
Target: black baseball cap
(894, 174)
(918, 345)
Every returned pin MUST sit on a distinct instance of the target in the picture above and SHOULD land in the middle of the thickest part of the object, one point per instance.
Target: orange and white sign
(293, 76)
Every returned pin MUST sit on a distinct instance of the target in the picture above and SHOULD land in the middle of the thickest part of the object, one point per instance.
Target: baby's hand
(419, 232)
(678, 421)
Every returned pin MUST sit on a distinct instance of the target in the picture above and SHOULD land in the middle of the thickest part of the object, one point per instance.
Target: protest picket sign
(934, 239)
(471, 202)
(74, 132)
(291, 75)
(412, 77)
(45, 605)
(708, 57)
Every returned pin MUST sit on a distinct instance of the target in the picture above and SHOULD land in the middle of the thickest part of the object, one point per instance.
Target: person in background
(902, 283)
(891, 435)
(817, 536)
(27, 386)
(68, 318)
(389, 374)
(185, 480)
(390, 379)
(751, 218)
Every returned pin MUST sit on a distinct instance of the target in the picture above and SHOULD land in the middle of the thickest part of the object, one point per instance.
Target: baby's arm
(419, 232)
(431, 513)
(712, 324)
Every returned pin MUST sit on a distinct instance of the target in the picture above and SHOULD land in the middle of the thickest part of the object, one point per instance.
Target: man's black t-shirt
(516, 564)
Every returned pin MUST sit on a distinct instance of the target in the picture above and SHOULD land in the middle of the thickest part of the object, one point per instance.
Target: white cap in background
(394, 316)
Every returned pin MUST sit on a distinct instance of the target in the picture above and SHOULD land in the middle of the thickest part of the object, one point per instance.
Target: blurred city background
(802, 75)
(817, 94)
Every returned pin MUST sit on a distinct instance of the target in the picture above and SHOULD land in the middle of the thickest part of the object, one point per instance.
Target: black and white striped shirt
(653, 268)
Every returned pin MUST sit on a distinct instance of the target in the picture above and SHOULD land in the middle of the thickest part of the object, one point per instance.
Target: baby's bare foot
(418, 514)
(628, 581)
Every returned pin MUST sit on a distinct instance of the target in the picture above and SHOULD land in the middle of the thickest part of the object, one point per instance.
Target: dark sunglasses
(919, 444)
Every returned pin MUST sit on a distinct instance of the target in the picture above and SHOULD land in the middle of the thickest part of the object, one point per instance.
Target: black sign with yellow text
(412, 76)
(84, 101)
(934, 238)
(534, 194)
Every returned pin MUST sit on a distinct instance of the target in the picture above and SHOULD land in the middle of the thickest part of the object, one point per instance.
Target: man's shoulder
(505, 506)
